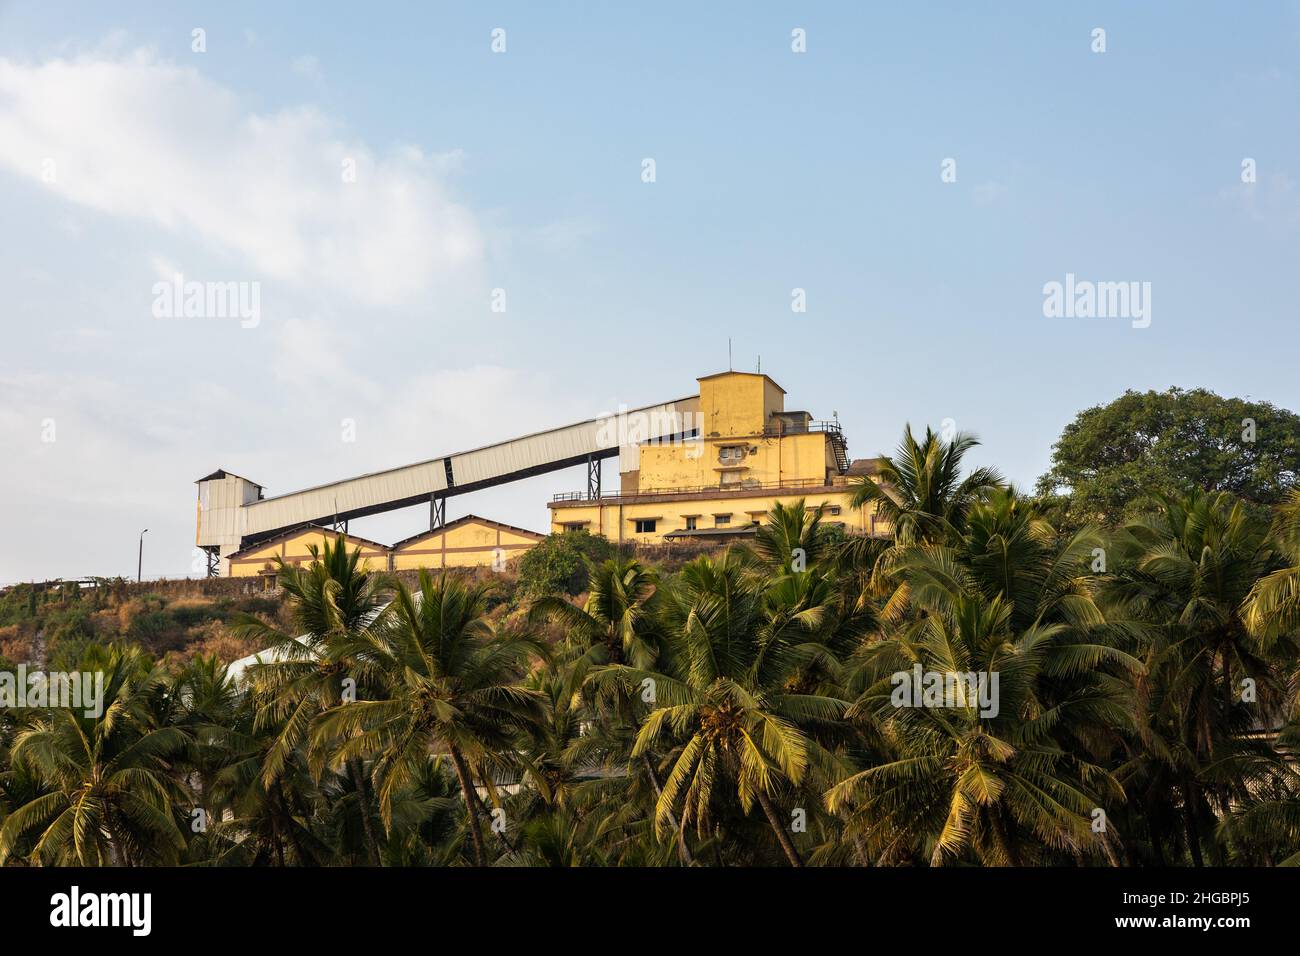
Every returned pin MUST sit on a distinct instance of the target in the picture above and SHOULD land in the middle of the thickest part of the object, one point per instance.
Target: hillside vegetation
(172, 620)
(983, 688)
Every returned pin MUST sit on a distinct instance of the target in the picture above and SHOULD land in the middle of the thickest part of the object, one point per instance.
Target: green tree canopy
(1112, 457)
(559, 564)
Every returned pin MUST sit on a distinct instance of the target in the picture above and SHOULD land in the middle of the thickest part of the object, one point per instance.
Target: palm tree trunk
(683, 851)
(1109, 851)
(1229, 697)
(293, 833)
(1193, 832)
(782, 837)
(1003, 838)
(501, 834)
(471, 806)
(1157, 845)
(363, 800)
(863, 856)
(277, 842)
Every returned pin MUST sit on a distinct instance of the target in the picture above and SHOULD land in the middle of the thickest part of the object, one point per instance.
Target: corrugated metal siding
(225, 516)
(344, 496)
(524, 453)
(220, 523)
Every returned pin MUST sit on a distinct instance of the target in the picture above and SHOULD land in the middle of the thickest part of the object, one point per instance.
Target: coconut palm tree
(557, 756)
(202, 700)
(734, 728)
(451, 684)
(791, 537)
(975, 769)
(1186, 570)
(616, 624)
(428, 828)
(253, 821)
(1264, 830)
(111, 797)
(1272, 609)
(921, 492)
(332, 601)
(1006, 597)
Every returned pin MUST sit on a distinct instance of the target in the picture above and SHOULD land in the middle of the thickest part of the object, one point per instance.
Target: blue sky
(521, 171)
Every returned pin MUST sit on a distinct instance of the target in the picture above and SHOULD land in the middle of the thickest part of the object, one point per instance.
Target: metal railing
(794, 484)
(799, 428)
(781, 428)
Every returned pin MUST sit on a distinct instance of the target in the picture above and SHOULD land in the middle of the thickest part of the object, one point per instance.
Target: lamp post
(139, 567)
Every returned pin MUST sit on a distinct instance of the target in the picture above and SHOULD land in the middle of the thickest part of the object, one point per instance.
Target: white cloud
(138, 137)
(313, 353)
(173, 174)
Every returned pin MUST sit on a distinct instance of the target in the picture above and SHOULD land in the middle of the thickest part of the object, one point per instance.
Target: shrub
(556, 565)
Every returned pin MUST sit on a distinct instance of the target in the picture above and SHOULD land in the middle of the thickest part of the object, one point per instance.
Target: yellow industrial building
(293, 547)
(705, 467)
(749, 454)
(467, 542)
(470, 541)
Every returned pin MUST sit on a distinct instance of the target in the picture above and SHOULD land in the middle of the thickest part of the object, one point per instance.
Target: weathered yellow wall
(617, 521)
(804, 457)
(773, 399)
(472, 544)
(738, 403)
(294, 551)
(674, 466)
(790, 458)
(463, 546)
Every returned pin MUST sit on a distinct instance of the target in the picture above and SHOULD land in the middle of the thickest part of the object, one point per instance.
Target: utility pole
(139, 567)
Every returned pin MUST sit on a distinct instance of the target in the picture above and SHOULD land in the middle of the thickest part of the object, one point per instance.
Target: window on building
(720, 520)
(835, 509)
(731, 453)
(645, 525)
(575, 526)
(691, 523)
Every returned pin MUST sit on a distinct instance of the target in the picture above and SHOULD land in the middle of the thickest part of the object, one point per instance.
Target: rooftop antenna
(760, 363)
(729, 353)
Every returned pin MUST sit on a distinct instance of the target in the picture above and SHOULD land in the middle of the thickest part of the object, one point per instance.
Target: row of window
(651, 525)
(648, 525)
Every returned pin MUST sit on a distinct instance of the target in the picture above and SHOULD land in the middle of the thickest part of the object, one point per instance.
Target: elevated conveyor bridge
(234, 512)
